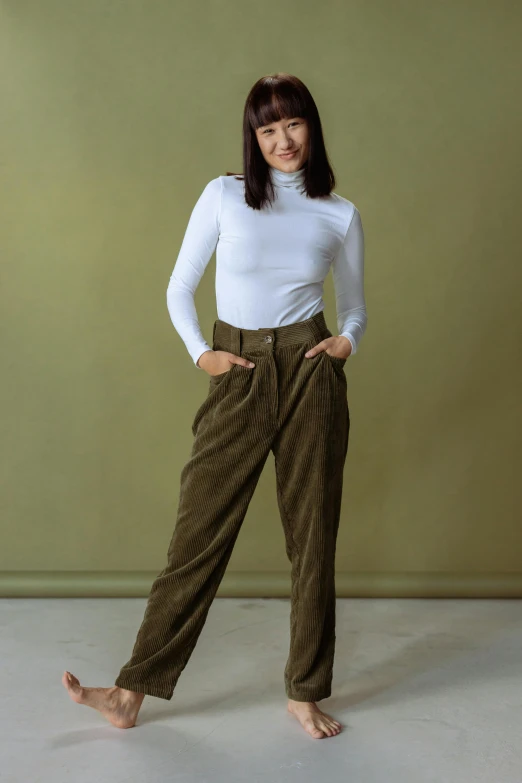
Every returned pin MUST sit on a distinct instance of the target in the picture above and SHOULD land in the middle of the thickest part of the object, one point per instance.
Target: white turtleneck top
(271, 263)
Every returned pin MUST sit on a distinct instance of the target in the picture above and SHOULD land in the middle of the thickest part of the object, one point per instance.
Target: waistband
(234, 339)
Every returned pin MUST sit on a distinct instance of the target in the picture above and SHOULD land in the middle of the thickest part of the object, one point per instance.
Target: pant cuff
(147, 688)
(308, 696)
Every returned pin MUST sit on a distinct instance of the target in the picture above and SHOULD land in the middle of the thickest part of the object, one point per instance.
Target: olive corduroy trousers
(297, 408)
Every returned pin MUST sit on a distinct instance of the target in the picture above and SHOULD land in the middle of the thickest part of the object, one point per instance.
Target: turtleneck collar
(288, 179)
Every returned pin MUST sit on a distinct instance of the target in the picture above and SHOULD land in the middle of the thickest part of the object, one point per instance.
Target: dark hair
(272, 98)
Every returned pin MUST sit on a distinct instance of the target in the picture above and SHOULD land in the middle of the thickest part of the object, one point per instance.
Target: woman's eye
(268, 130)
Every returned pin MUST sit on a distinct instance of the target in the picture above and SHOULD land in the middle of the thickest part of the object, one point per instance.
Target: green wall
(114, 117)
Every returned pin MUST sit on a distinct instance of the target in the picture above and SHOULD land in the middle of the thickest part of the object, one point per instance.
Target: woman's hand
(216, 362)
(340, 347)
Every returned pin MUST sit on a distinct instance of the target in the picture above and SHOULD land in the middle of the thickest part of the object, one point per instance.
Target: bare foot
(317, 723)
(118, 705)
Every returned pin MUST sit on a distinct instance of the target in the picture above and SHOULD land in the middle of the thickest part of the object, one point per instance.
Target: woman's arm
(196, 250)
(348, 275)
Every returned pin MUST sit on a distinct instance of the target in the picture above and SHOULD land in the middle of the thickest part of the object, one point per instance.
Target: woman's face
(284, 136)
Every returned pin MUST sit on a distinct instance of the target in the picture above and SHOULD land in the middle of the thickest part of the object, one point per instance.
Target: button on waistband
(268, 338)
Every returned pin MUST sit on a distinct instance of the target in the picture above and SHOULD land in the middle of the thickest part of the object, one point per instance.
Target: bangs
(276, 102)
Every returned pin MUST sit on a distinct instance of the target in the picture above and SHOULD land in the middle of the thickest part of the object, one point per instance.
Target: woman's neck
(288, 179)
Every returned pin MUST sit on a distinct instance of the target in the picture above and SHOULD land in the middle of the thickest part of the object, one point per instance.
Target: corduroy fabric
(297, 408)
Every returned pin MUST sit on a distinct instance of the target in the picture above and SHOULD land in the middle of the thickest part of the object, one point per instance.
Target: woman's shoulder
(342, 201)
(231, 180)
(224, 181)
(343, 206)
(231, 184)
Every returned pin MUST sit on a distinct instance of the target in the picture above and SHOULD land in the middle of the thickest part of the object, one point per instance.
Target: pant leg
(310, 451)
(229, 451)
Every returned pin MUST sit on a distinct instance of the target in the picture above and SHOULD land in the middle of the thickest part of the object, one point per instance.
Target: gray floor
(427, 690)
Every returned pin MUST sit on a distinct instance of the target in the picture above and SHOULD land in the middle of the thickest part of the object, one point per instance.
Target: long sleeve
(348, 276)
(199, 243)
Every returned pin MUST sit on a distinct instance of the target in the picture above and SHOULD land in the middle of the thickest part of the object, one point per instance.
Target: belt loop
(315, 327)
(235, 340)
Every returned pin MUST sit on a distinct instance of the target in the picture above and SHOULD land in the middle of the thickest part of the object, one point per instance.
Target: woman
(276, 384)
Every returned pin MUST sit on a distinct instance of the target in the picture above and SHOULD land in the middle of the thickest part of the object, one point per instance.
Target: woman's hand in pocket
(217, 362)
(339, 347)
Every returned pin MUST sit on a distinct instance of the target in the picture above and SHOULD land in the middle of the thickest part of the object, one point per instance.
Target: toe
(313, 729)
(72, 684)
(72, 679)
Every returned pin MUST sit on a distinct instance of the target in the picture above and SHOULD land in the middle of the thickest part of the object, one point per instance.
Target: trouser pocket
(338, 361)
(216, 379)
